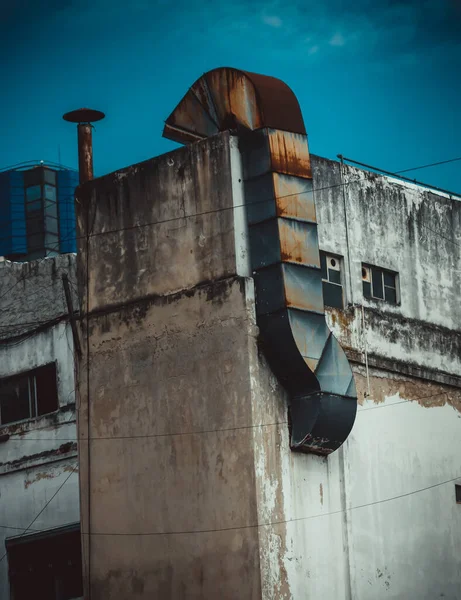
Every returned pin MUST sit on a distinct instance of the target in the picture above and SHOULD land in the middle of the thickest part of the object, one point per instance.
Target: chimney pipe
(84, 117)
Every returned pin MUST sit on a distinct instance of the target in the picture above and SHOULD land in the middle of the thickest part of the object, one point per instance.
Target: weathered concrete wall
(361, 523)
(192, 490)
(41, 452)
(32, 292)
(171, 451)
(169, 499)
(405, 228)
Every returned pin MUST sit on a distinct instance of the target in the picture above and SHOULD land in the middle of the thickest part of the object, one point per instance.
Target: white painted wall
(378, 518)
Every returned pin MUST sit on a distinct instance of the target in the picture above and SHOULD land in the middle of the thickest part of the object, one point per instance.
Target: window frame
(331, 256)
(382, 272)
(33, 399)
(458, 493)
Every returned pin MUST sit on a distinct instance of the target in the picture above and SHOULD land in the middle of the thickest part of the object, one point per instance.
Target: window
(46, 565)
(458, 493)
(380, 284)
(33, 192)
(331, 280)
(28, 395)
(49, 192)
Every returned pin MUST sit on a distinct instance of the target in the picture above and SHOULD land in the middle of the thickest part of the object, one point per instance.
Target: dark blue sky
(378, 80)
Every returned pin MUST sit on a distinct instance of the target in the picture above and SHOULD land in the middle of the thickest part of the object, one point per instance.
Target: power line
(46, 504)
(256, 525)
(435, 164)
(212, 211)
(206, 431)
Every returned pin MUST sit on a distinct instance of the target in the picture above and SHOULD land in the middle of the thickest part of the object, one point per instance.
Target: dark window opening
(458, 493)
(379, 284)
(28, 395)
(46, 565)
(331, 280)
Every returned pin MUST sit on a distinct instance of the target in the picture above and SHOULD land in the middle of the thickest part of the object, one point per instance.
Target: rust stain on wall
(321, 494)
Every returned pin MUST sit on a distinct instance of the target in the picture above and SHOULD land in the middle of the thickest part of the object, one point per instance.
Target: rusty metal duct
(301, 349)
(84, 117)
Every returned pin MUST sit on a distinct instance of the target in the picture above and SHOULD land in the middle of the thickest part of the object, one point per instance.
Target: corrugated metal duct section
(302, 351)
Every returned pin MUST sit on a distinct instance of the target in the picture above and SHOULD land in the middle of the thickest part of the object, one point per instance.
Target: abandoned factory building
(267, 379)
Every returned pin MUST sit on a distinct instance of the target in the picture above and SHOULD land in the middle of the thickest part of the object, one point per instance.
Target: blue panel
(67, 182)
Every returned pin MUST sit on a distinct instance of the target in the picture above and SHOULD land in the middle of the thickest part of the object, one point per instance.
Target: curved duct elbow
(302, 351)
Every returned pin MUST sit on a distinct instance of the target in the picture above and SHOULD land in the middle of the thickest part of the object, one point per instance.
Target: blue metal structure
(37, 216)
(300, 348)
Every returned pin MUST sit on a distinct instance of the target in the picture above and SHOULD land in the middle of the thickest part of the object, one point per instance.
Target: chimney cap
(83, 115)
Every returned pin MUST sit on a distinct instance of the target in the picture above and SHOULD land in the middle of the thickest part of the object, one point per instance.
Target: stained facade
(191, 485)
(190, 427)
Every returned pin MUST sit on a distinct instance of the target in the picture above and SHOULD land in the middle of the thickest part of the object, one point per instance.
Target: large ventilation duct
(302, 351)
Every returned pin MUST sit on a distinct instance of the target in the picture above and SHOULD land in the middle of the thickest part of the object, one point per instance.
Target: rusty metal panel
(191, 117)
(289, 153)
(294, 197)
(277, 103)
(303, 287)
(299, 242)
(203, 94)
(234, 98)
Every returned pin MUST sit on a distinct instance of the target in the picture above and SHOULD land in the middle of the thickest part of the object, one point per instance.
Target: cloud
(272, 20)
(337, 40)
(313, 50)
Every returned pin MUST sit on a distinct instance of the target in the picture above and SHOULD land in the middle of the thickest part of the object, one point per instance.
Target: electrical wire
(45, 506)
(256, 525)
(212, 211)
(435, 164)
(204, 431)
(89, 234)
